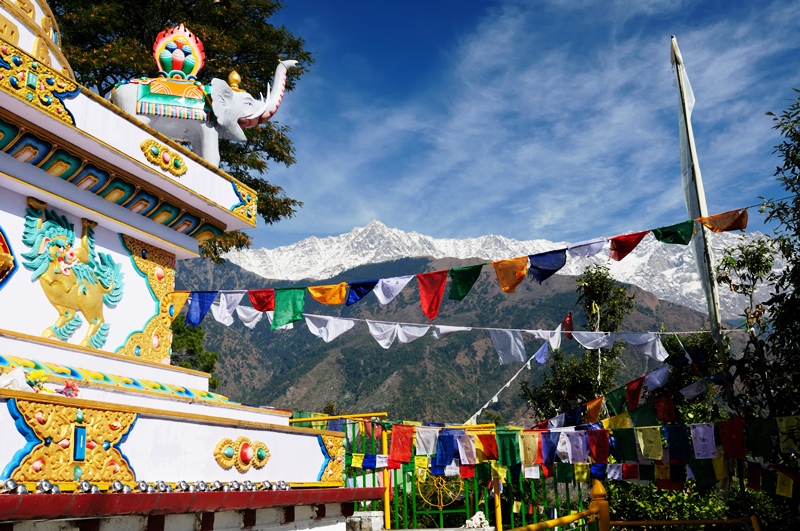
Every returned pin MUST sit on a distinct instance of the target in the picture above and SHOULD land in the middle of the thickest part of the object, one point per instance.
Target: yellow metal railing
(664, 523)
(598, 510)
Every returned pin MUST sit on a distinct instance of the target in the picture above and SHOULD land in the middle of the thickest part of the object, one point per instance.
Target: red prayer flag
(665, 409)
(567, 325)
(489, 444)
(402, 441)
(598, 445)
(733, 220)
(630, 470)
(753, 476)
(633, 392)
(467, 471)
(625, 243)
(731, 432)
(431, 290)
(262, 300)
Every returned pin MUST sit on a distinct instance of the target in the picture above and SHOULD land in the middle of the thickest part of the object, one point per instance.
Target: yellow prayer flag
(662, 471)
(510, 273)
(177, 300)
(582, 472)
(517, 506)
(720, 466)
(784, 486)
(421, 462)
(529, 446)
(319, 424)
(618, 421)
(593, 408)
(412, 423)
(358, 460)
(498, 471)
(333, 294)
(650, 442)
(789, 428)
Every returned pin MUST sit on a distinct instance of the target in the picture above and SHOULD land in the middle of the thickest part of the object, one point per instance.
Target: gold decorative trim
(335, 469)
(35, 82)
(94, 352)
(74, 443)
(166, 414)
(248, 211)
(154, 342)
(161, 156)
(42, 191)
(241, 453)
(30, 23)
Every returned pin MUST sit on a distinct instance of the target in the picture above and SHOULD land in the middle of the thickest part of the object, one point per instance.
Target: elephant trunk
(278, 88)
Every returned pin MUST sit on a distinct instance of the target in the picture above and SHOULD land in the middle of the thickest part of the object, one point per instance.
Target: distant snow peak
(667, 271)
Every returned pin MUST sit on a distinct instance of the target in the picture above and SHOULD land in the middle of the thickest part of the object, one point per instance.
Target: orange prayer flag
(511, 272)
(332, 294)
(733, 220)
(177, 300)
(593, 408)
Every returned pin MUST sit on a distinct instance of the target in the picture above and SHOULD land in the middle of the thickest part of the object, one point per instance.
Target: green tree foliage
(574, 380)
(111, 41)
(188, 350)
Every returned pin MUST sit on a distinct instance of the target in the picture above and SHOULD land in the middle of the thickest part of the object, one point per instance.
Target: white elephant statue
(179, 108)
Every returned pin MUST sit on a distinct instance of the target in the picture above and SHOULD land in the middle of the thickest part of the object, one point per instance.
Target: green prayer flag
(703, 470)
(462, 280)
(647, 472)
(625, 444)
(563, 472)
(300, 414)
(616, 401)
(759, 437)
(644, 416)
(289, 305)
(507, 447)
(483, 472)
(679, 233)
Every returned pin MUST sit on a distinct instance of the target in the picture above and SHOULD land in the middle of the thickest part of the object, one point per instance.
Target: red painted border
(59, 506)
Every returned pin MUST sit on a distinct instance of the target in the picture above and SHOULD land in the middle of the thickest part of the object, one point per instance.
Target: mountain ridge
(667, 271)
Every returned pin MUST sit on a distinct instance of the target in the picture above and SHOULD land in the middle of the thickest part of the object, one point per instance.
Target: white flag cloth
(553, 337)
(269, 315)
(15, 380)
(223, 310)
(648, 343)
(705, 447)
(657, 378)
(466, 448)
(562, 448)
(586, 249)
(595, 340)
(577, 446)
(384, 333)
(694, 390)
(426, 439)
(440, 331)
(557, 421)
(381, 461)
(614, 471)
(387, 288)
(509, 345)
(532, 472)
(542, 355)
(453, 469)
(326, 327)
(406, 333)
(249, 316)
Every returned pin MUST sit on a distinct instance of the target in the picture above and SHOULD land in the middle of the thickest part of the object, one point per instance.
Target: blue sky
(528, 119)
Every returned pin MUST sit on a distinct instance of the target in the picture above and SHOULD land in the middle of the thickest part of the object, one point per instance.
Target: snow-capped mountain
(667, 271)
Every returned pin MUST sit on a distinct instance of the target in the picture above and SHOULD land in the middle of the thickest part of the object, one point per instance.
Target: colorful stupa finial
(178, 53)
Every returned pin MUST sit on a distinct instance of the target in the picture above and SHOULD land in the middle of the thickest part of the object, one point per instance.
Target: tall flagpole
(695, 197)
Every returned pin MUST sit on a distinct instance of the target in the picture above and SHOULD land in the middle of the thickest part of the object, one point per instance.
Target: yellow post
(498, 509)
(387, 503)
(599, 501)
